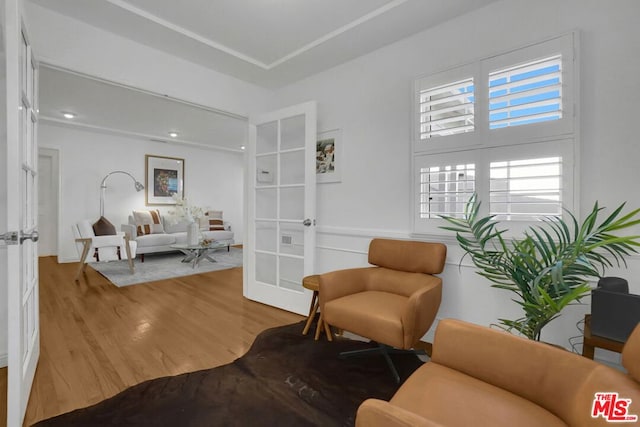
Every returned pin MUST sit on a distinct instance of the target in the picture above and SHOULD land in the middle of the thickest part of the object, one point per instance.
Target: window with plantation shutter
(527, 93)
(526, 190)
(503, 127)
(447, 109)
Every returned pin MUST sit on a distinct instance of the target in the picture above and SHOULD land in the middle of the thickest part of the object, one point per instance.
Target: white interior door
(21, 212)
(280, 193)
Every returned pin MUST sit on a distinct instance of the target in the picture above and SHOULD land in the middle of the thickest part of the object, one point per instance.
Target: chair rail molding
(362, 232)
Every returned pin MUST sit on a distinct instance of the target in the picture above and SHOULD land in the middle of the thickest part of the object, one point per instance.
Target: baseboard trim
(4, 360)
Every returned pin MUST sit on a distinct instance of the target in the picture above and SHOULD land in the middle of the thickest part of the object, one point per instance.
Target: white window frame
(483, 145)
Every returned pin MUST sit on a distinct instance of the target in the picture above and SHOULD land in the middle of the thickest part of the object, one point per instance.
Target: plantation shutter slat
(459, 99)
(449, 131)
(518, 95)
(514, 121)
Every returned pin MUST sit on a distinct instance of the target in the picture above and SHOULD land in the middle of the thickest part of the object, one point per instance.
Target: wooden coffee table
(194, 253)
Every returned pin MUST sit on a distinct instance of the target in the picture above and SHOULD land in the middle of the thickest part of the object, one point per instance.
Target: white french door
(280, 200)
(21, 235)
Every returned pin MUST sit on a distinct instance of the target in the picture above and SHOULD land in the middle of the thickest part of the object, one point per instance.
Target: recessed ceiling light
(242, 147)
(68, 115)
(173, 134)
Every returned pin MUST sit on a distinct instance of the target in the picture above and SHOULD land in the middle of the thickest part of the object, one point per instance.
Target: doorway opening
(48, 200)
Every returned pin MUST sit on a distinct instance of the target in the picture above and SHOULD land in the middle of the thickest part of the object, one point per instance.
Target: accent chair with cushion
(102, 248)
(392, 303)
(483, 377)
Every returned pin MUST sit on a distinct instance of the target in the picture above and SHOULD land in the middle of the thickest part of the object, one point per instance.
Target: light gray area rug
(166, 266)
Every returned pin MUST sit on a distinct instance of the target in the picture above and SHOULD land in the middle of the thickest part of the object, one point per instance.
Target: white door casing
(280, 207)
(21, 212)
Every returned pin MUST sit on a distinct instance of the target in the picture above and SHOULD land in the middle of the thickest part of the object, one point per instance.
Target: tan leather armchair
(483, 377)
(393, 303)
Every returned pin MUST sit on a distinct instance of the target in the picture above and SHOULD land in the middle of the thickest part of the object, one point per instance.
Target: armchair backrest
(83, 229)
(631, 354)
(407, 255)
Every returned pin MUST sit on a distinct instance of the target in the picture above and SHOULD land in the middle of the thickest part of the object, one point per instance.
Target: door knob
(307, 222)
(33, 236)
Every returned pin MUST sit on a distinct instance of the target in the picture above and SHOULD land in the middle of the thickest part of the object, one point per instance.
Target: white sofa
(174, 234)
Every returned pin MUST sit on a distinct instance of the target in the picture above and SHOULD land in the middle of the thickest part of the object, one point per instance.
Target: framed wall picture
(329, 156)
(164, 179)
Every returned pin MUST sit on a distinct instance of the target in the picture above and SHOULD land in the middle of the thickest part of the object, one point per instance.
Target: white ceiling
(268, 42)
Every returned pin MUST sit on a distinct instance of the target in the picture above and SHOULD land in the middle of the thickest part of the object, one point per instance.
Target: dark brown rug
(285, 379)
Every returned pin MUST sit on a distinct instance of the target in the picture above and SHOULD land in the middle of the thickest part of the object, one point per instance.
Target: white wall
(212, 178)
(370, 99)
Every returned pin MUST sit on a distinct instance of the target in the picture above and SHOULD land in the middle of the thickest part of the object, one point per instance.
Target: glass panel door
(281, 207)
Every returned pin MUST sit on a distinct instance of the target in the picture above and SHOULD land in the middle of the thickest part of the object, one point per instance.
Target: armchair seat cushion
(373, 314)
(448, 397)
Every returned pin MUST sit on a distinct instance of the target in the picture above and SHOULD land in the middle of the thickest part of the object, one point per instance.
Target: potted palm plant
(550, 266)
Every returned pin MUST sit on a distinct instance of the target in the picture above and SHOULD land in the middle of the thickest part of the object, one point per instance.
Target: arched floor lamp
(104, 224)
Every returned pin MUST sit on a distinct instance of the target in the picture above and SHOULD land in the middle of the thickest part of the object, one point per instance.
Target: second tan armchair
(483, 377)
(393, 303)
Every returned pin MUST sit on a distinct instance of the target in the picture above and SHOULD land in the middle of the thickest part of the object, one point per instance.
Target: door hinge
(10, 238)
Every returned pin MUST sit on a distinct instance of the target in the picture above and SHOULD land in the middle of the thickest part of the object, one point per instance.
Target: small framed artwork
(164, 180)
(329, 156)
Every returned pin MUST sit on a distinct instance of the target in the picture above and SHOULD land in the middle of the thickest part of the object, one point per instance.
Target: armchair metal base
(383, 350)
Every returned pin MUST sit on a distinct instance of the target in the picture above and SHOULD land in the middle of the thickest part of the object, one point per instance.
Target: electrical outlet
(286, 239)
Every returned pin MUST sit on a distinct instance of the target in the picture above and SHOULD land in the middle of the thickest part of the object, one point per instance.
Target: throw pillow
(148, 222)
(103, 227)
(215, 220)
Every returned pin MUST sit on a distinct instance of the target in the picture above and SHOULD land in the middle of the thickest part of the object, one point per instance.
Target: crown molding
(122, 4)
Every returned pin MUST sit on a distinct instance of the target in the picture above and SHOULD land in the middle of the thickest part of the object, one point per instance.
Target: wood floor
(98, 339)
(3, 396)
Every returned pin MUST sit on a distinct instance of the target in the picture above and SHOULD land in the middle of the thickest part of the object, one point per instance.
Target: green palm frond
(549, 267)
